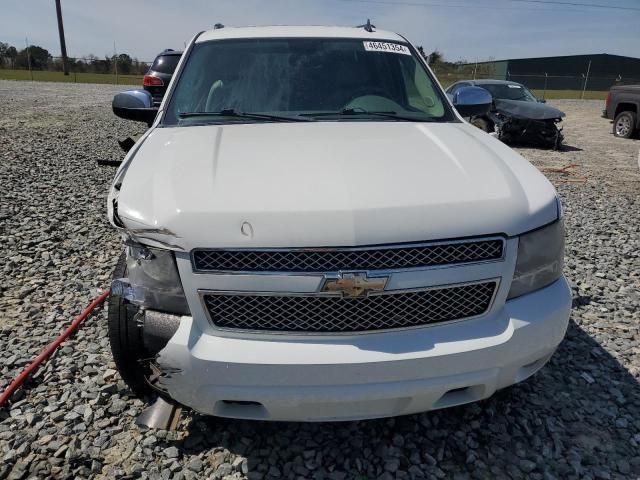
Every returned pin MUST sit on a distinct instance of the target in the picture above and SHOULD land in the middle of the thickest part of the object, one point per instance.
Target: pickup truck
(312, 232)
(622, 106)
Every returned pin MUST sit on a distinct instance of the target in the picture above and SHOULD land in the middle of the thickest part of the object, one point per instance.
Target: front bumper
(365, 376)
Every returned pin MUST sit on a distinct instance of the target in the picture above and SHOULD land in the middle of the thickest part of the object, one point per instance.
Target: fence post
(586, 79)
(544, 93)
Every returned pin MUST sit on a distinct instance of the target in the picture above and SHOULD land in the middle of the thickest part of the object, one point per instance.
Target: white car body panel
(366, 376)
(286, 31)
(331, 184)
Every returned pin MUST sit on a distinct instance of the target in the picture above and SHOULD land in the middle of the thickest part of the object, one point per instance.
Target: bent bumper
(302, 378)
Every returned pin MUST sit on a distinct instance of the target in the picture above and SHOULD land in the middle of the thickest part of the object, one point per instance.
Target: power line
(429, 5)
(578, 4)
(494, 6)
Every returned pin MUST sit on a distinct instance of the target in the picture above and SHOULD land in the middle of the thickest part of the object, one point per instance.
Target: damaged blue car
(516, 115)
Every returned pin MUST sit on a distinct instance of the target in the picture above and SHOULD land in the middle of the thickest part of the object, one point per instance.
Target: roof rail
(218, 26)
(367, 26)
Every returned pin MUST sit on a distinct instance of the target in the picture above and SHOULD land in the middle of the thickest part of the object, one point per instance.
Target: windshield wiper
(362, 111)
(230, 112)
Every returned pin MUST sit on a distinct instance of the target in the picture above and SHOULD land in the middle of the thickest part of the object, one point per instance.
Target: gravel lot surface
(577, 418)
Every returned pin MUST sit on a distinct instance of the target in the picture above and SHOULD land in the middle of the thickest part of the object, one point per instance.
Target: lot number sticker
(386, 47)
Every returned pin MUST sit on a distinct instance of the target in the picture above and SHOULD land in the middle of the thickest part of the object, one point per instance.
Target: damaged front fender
(173, 360)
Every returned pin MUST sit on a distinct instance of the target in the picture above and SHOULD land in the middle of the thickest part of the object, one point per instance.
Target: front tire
(125, 337)
(624, 124)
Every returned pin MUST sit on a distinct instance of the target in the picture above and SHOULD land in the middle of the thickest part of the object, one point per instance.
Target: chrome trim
(371, 272)
(202, 293)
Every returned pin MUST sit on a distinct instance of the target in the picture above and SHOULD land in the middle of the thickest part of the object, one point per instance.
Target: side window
(420, 90)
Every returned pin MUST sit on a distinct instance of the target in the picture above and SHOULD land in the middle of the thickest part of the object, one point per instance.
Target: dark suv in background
(159, 75)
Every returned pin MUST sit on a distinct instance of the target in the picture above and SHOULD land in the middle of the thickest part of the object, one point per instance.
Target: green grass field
(556, 94)
(47, 76)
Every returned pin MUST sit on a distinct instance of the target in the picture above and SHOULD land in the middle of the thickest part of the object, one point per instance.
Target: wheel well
(626, 107)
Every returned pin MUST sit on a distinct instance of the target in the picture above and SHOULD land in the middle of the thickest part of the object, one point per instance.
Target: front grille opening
(459, 396)
(241, 409)
(332, 314)
(333, 260)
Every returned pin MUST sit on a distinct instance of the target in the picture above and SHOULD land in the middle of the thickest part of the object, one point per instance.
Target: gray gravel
(577, 418)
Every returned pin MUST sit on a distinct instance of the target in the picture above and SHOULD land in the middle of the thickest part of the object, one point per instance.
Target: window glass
(511, 91)
(301, 77)
(165, 63)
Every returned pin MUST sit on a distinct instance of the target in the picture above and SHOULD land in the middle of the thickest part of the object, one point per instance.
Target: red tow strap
(19, 380)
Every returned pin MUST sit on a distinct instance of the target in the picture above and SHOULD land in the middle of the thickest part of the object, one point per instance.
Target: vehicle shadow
(577, 416)
(569, 148)
(526, 145)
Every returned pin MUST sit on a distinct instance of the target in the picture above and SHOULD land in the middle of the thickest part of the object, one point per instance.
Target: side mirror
(135, 105)
(542, 100)
(472, 101)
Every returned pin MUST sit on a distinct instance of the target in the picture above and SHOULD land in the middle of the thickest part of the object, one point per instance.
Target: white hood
(330, 184)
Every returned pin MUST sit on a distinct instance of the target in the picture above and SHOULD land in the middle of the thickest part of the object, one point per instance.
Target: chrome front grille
(334, 314)
(340, 259)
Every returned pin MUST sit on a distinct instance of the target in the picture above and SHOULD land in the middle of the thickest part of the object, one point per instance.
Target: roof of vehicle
(169, 52)
(625, 87)
(493, 82)
(297, 31)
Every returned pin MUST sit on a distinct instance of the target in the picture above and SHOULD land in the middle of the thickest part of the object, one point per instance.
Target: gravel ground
(577, 418)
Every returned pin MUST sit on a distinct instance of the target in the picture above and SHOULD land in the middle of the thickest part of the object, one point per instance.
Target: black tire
(125, 337)
(624, 124)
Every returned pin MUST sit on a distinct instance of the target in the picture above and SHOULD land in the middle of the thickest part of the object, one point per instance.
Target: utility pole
(586, 79)
(63, 46)
(26, 41)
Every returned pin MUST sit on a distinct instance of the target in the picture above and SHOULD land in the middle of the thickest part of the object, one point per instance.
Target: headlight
(540, 259)
(153, 280)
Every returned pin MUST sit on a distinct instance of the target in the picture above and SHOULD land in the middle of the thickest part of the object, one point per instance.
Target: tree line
(39, 58)
(441, 65)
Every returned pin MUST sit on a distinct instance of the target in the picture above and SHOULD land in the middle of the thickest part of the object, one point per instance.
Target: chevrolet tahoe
(312, 232)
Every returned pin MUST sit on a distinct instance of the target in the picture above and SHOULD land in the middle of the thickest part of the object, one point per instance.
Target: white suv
(313, 233)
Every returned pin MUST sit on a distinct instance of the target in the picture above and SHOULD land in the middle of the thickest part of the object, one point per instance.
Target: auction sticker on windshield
(386, 47)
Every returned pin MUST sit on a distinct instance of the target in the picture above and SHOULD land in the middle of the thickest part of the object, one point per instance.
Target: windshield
(328, 79)
(509, 91)
(165, 63)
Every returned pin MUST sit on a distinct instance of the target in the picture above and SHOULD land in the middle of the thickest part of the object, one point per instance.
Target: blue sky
(469, 29)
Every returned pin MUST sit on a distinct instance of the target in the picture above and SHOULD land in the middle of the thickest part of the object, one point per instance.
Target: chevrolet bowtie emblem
(354, 284)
